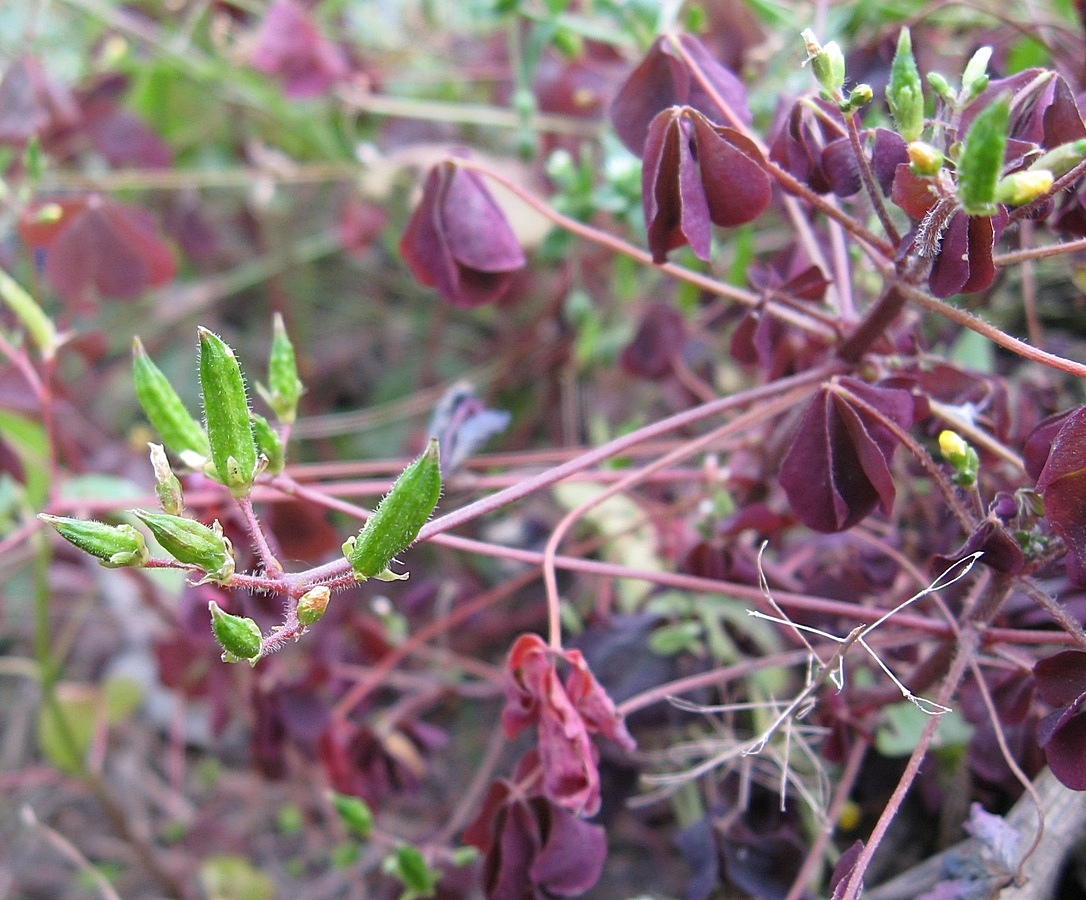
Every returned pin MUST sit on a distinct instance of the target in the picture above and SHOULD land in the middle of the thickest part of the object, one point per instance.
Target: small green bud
(313, 603)
(924, 159)
(167, 487)
(240, 638)
(981, 161)
(975, 77)
(179, 431)
(961, 457)
(858, 98)
(192, 543)
(284, 387)
(31, 316)
(409, 865)
(397, 520)
(905, 92)
(1062, 159)
(268, 443)
(942, 87)
(1023, 187)
(226, 414)
(827, 63)
(113, 545)
(354, 813)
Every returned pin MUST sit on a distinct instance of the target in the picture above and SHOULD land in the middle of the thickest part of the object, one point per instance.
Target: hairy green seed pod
(179, 431)
(192, 543)
(905, 92)
(240, 638)
(396, 522)
(226, 414)
(268, 443)
(313, 603)
(981, 161)
(1062, 159)
(284, 387)
(113, 545)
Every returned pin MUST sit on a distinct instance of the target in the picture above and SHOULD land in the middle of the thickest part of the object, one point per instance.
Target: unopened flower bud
(858, 97)
(268, 443)
(113, 545)
(167, 487)
(239, 637)
(192, 543)
(827, 63)
(1022, 187)
(313, 603)
(961, 456)
(924, 159)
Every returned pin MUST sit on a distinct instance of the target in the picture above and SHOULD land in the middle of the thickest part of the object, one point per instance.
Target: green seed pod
(905, 92)
(1062, 159)
(268, 443)
(226, 414)
(313, 603)
(192, 543)
(396, 522)
(981, 161)
(113, 545)
(167, 487)
(354, 813)
(179, 431)
(284, 387)
(240, 638)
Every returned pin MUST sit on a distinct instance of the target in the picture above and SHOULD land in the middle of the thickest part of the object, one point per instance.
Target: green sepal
(268, 443)
(905, 92)
(167, 487)
(192, 543)
(164, 409)
(239, 637)
(398, 519)
(981, 160)
(284, 387)
(113, 546)
(226, 415)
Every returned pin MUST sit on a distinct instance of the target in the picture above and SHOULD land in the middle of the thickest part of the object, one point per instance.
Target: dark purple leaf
(697, 844)
(658, 340)
(1062, 484)
(573, 854)
(1002, 552)
(695, 173)
(458, 240)
(125, 140)
(1039, 443)
(32, 103)
(841, 167)
(662, 80)
(288, 46)
(842, 872)
(837, 468)
(963, 264)
(1063, 737)
(1061, 678)
(887, 153)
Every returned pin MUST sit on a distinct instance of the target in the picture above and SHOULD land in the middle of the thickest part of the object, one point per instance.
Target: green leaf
(227, 414)
(27, 438)
(67, 725)
(981, 162)
(904, 723)
(905, 92)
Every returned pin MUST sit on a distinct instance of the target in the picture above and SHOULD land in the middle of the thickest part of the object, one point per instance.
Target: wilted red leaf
(1062, 484)
(458, 239)
(289, 46)
(695, 173)
(564, 716)
(838, 466)
(662, 79)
